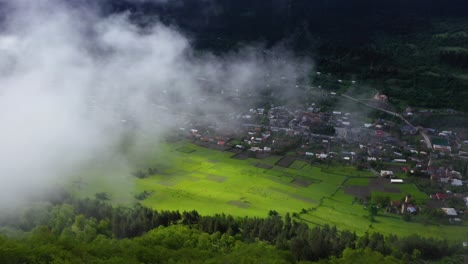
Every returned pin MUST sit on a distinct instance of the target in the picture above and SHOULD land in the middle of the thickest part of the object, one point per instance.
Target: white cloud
(69, 77)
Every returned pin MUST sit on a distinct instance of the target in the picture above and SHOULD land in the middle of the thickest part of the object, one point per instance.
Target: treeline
(81, 223)
(174, 244)
(457, 57)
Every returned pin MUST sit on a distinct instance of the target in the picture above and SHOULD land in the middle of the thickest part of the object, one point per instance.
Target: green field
(190, 177)
(213, 182)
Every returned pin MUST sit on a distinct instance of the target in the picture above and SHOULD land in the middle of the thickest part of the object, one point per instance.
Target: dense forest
(93, 231)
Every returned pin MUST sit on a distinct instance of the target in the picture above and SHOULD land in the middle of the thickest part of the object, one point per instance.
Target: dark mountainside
(414, 51)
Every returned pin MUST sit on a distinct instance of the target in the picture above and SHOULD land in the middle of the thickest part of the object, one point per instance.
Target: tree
(372, 209)
(406, 216)
(351, 256)
(62, 216)
(381, 201)
(102, 196)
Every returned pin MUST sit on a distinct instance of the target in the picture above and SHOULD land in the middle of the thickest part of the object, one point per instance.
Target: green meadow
(190, 177)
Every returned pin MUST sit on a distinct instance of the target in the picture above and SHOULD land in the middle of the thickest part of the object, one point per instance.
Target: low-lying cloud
(72, 83)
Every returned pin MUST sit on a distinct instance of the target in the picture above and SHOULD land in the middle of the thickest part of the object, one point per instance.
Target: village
(383, 142)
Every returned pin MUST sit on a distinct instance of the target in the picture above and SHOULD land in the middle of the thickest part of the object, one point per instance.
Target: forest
(93, 231)
(413, 51)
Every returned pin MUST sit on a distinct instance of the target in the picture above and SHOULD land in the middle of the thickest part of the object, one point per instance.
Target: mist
(74, 85)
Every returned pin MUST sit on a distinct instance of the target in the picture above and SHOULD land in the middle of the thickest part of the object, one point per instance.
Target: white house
(386, 173)
(457, 182)
(396, 181)
(450, 211)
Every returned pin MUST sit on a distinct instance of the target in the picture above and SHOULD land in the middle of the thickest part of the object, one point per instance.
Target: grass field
(357, 182)
(192, 177)
(298, 164)
(213, 182)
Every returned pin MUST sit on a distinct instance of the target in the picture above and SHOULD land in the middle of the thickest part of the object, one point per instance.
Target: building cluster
(390, 149)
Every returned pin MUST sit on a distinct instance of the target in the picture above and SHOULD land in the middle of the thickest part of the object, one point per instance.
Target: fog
(73, 85)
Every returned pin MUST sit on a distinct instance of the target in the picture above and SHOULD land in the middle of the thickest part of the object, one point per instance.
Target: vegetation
(188, 204)
(92, 231)
(413, 51)
(313, 193)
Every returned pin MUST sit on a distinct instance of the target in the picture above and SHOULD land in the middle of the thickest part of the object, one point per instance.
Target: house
(399, 160)
(456, 174)
(457, 182)
(386, 173)
(406, 204)
(266, 149)
(415, 159)
(395, 206)
(440, 144)
(440, 196)
(309, 154)
(410, 208)
(396, 181)
(405, 130)
(437, 173)
(450, 211)
(446, 133)
(379, 133)
(321, 156)
(444, 180)
(455, 220)
(381, 97)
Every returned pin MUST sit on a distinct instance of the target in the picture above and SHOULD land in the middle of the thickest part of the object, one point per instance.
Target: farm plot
(239, 187)
(185, 150)
(339, 210)
(286, 161)
(377, 185)
(298, 164)
(357, 182)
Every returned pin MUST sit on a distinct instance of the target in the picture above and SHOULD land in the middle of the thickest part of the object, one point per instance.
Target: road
(421, 130)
